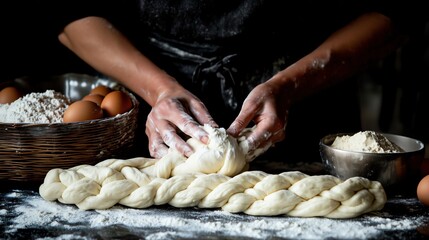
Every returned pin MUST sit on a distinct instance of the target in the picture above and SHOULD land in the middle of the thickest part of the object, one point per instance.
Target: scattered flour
(36, 107)
(172, 223)
(366, 141)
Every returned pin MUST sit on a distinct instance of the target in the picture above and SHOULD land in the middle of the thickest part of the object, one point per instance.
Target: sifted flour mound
(366, 141)
(43, 107)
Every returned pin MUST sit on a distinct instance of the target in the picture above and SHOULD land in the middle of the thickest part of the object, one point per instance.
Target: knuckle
(239, 123)
(167, 136)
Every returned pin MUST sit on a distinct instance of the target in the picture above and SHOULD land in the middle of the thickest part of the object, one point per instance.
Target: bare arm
(344, 53)
(102, 46)
(174, 109)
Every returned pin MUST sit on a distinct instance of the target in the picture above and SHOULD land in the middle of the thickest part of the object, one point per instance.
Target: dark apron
(222, 82)
(221, 72)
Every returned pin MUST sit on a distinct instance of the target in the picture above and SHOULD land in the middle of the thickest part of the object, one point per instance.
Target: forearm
(99, 44)
(343, 54)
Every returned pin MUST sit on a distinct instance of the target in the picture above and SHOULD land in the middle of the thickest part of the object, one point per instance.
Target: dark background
(29, 41)
(394, 92)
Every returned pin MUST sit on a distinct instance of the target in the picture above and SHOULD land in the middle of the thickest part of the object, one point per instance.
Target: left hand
(265, 106)
(176, 111)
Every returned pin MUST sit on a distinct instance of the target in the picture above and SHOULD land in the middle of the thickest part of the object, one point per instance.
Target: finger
(252, 145)
(258, 138)
(266, 132)
(252, 154)
(247, 113)
(264, 145)
(279, 135)
(201, 114)
(157, 148)
(189, 126)
(171, 138)
(163, 133)
(193, 129)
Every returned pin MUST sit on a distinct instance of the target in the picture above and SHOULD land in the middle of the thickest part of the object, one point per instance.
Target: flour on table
(68, 222)
(36, 107)
(366, 141)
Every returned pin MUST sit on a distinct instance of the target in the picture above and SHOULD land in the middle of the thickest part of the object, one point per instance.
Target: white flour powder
(366, 141)
(172, 223)
(43, 107)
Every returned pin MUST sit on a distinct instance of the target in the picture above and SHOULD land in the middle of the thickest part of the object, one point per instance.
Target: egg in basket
(96, 120)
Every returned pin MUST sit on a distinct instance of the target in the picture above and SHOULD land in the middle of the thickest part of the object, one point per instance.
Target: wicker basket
(29, 151)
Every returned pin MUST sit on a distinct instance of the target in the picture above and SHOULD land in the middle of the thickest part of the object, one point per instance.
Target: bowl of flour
(393, 160)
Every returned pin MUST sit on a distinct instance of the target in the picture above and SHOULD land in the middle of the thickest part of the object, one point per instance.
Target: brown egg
(423, 190)
(116, 102)
(81, 111)
(9, 94)
(97, 98)
(101, 89)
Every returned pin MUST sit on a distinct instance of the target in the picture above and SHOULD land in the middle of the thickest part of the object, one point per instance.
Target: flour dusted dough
(214, 176)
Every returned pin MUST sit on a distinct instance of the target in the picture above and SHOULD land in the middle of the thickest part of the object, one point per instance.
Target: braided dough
(214, 176)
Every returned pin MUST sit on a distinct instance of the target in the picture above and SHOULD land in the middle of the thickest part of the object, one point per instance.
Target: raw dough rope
(212, 177)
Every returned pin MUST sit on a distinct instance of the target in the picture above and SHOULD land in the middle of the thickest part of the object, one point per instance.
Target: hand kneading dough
(214, 176)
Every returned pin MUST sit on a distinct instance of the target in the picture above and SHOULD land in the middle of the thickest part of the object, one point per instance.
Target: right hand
(267, 106)
(175, 112)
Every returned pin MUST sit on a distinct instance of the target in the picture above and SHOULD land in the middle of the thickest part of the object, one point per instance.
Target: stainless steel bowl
(390, 169)
(73, 85)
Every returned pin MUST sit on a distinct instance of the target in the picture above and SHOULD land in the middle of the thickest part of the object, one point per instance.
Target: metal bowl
(390, 169)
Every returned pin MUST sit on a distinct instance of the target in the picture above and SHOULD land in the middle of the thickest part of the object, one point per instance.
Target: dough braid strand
(213, 177)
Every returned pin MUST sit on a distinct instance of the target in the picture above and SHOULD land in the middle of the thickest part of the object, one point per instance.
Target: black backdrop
(29, 44)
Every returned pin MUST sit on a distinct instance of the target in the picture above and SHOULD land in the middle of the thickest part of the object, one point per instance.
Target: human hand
(176, 112)
(266, 107)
